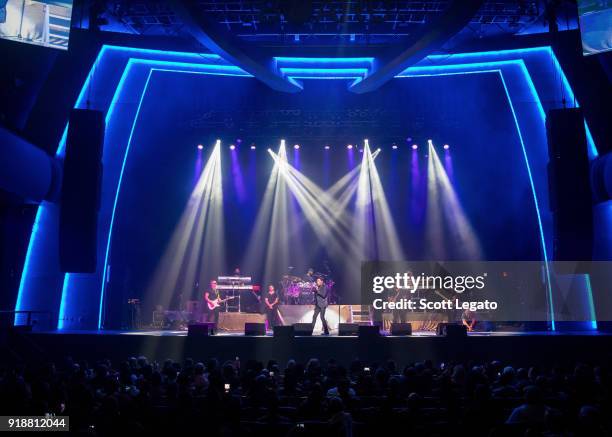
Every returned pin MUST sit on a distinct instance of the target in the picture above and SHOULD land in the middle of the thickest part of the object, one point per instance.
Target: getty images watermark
(496, 290)
(392, 291)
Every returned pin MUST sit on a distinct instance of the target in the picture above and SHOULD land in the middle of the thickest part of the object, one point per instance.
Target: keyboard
(235, 287)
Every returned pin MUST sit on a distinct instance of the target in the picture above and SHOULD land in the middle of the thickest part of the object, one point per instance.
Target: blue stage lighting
(44, 217)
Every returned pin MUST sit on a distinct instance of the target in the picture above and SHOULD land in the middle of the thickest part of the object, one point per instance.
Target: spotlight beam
(460, 233)
(378, 237)
(330, 228)
(196, 249)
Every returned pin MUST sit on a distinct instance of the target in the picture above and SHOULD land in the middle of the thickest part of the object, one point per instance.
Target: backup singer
(271, 307)
(320, 302)
(468, 319)
(396, 295)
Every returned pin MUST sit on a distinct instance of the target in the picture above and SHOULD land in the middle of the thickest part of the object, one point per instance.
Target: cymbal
(291, 278)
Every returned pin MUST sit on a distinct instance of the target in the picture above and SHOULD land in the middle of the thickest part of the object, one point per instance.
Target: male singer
(320, 302)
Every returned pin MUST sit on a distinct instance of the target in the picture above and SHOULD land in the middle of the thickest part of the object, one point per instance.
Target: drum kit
(299, 291)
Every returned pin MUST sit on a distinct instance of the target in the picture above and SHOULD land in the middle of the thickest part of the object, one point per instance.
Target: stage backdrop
(489, 107)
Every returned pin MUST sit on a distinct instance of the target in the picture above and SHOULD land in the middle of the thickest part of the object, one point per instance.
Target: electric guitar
(217, 302)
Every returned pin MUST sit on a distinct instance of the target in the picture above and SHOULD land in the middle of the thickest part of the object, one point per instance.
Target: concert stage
(521, 348)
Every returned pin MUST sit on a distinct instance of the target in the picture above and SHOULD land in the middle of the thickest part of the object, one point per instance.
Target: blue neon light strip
(535, 199)
(326, 77)
(587, 278)
(548, 51)
(314, 61)
(323, 72)
(108, 242)
(228, 70)
(26, 263)
(206, 56)
(477, 67)
(488, 54)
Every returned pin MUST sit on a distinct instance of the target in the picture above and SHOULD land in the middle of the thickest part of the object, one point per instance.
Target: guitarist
(212, 298)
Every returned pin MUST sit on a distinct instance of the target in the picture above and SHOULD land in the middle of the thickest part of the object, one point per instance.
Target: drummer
(310, 275)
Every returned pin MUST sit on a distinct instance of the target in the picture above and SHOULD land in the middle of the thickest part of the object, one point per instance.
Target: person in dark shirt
(271, 306)
(321, 294)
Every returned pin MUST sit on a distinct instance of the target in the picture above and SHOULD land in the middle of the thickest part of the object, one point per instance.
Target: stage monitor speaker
(401, 329)
(367, 331)
(283, 331)
(201, 329)
(254, 328)
(302, 329)
(569, 183)
(453, 330)
(346, 329)
(80, 194)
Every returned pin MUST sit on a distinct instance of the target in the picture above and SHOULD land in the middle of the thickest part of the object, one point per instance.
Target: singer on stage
(320, 303)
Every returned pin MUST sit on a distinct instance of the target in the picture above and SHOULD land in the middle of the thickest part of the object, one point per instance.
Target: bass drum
(292, 290)
(306, 298)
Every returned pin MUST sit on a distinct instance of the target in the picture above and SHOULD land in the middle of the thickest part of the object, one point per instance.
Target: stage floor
(333, 333)
(519, 348)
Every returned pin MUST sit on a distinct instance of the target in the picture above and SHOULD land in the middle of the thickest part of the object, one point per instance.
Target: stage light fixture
(200, 146)
(446, 147)
(394, 146)
(414, 147)
(232, 147)
(349, 146)
(296, 147)
(253, 147)
(327, 147)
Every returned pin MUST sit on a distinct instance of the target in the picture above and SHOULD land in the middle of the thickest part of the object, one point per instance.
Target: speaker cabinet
(302, 329)
(254, 329)
(569, 183)
(453, 330)
(346, 329)
(401, 329)
(80, 194)
(283, 332)
(201, 329)
(367, 331)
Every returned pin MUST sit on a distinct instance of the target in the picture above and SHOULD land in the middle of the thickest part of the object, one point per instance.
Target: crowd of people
(313, 398)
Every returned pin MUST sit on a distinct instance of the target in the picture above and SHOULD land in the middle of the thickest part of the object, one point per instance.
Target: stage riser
(290, 314)
(234, 322)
